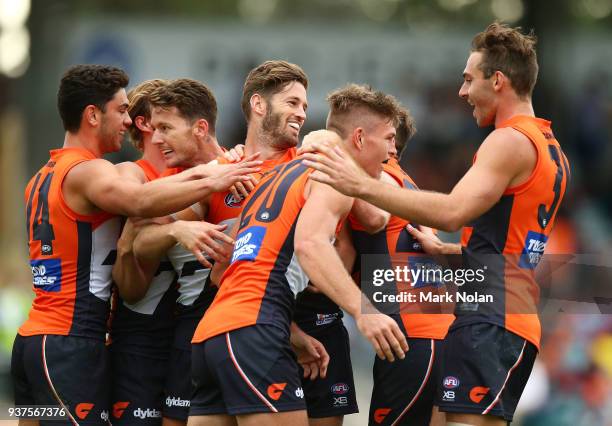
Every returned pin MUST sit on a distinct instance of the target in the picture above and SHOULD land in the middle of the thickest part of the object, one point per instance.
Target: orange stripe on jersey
(150, 172)
(223, 206)
(255, 289)
(71, 255)
(172, 171)
(395, 242)
(518, 227)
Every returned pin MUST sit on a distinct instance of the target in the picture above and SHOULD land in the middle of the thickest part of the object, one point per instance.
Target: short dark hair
(405, 130)
(83, 85)
(355, 98)
(140, 106)
(193, 100)
(510, 51)
(270, 78)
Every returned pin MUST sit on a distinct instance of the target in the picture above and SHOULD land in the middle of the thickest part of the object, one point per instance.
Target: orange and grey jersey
(71, 255)
(260, 285)
(509, 239)
(388, 249)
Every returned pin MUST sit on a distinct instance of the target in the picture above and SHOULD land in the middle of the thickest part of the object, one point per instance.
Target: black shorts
(178, 388)
(244, 371)
(404, 390)
(72, 372)
(137, 389)
(484, 370)
(335, 394)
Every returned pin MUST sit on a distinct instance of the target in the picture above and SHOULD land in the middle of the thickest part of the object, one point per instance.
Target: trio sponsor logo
(82, 410)
(248, 243)
(119, 407)
(47, 274)
(231, 201)
(533, 250)
(478, 393)
(450, 382)
(380, 414)
(340, 389)
(275, 390)
(149, 413)
(174, 401)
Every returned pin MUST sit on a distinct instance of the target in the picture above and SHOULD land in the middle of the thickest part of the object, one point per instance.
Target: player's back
(260, 285)
(71, 255)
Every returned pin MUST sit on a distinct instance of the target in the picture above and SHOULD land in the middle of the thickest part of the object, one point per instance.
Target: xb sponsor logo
(119, 407)
(450, 382)
(275, 390)
(448, 396)
(478, 393)
(82, 410)
(340, 401)
(380, 414)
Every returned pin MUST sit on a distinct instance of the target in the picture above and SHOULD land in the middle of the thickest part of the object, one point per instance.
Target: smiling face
(174, 137)
(478, 91)
(114, 123)
(285, 116)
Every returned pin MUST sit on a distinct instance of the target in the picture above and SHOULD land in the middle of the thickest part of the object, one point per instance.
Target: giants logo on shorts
(82, 410)
(275, 390)
(119, 407)
(380, 414)
(340, 389)
(535, 243)
(231, 201)
(248, 243)
(477, 393)
(450, 382)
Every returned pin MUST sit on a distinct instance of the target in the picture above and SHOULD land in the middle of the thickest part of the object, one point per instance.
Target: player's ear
(142, 124)
(357, 138)
(92, 115)
(499, 79)
(200, 128)
(258, 104)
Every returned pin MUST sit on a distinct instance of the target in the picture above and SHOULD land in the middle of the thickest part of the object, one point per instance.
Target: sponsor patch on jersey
(425, 272)
(231, 201)
(248, 243)
(47, 274)
(533, 250)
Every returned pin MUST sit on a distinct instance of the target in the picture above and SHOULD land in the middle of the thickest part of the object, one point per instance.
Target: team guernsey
(404, 390)
(71, 255)
(492, 345)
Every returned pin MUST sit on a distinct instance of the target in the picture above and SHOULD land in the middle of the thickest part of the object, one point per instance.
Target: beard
(272, 127)
(108, 138)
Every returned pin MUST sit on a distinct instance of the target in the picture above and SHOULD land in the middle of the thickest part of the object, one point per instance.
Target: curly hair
(358, 98)
(83, 85)
(510, 51)
(140, 106)
(193, 100)
(270, 78)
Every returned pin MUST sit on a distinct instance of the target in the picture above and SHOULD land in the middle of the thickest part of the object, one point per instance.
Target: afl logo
(340, 388)
(231, 201)
(450, 382)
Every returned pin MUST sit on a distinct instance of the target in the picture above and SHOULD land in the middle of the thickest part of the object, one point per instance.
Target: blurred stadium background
(414, 49)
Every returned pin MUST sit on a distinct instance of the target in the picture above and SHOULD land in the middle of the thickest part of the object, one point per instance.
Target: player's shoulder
(506, 141)
(131, 170)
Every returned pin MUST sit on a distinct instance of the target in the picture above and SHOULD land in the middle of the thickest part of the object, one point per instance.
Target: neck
(82, 140)
(258, 141)
(209, 150)
(507, 110)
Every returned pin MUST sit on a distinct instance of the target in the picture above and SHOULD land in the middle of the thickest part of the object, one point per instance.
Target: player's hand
(234, 154)
(311, 353)
(384, 334)
(430, 243)
(240, 190)
(222, 176)
(336, 168)
(201, 238)
(314, 140)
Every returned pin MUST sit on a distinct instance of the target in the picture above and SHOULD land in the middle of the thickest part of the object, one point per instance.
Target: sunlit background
(414, 49)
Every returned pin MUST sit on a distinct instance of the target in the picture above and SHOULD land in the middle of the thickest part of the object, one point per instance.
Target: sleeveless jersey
(147, 326)
(395, 245)
(510, 238)
(264, 276)
(71, 255)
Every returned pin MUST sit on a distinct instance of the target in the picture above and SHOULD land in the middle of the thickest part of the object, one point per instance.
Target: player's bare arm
(372, 218)
(97, 185)
(314, 233)
(506, 158)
